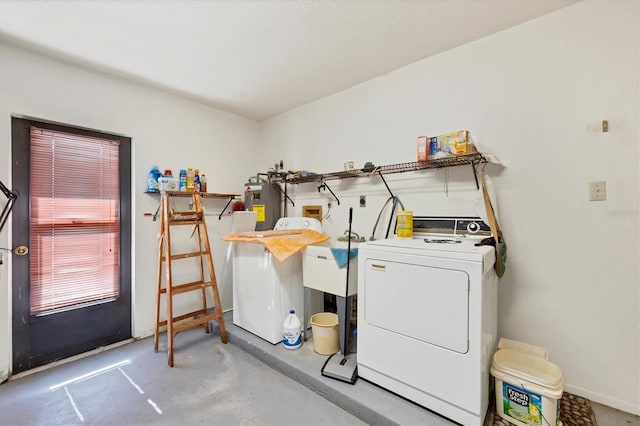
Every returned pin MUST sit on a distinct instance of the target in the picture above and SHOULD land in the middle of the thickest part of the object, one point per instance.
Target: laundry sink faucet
(353, 236)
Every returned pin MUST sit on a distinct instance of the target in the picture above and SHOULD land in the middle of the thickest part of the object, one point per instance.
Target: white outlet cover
(597, 191)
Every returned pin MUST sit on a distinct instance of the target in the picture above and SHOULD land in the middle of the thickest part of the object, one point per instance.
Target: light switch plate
(597, 191)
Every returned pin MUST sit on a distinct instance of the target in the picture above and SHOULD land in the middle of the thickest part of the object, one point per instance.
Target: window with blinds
(74, 220)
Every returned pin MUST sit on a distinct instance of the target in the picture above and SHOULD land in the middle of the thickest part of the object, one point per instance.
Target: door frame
(22, 357)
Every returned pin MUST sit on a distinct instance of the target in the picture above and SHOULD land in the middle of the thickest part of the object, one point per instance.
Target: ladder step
(183, 288)
(187, 255)
(197, 321)
(185, 213)
(184, 316)
(190, 221)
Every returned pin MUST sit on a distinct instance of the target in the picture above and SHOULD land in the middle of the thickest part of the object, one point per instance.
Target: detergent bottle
(197, 186)
(182, 183)
(153, 184)
(292, 338)
(190, 179)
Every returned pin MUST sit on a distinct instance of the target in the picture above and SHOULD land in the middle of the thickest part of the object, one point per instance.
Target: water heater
(264, 199)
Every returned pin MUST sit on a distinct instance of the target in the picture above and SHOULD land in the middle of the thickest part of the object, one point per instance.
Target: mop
(338, 367)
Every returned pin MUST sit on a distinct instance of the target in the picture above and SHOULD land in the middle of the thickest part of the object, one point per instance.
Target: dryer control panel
(451, 226)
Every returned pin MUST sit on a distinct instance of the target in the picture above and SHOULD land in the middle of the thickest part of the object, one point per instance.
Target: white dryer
(427, 317)
(264, 289)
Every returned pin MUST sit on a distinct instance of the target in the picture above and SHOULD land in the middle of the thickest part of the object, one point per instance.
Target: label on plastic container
(522, 405)
(292, 340)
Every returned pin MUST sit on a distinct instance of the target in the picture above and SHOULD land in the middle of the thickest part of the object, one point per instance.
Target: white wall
(166, 130)
(535, 96)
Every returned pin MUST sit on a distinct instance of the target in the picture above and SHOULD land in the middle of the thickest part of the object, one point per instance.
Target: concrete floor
(211, 383)
(248, 382)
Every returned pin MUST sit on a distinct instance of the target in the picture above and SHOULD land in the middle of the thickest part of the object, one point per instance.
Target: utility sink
(321, 272)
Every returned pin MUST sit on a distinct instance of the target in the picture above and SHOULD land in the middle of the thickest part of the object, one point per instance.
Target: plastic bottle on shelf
(153, 185)
(170, 182)
(190, 179)
(182, 185)
(292, 338)
(197, 187)
(203, 183)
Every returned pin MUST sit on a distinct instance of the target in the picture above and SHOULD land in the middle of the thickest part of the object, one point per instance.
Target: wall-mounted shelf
(189, 194)
(474, 159)
(231, 197)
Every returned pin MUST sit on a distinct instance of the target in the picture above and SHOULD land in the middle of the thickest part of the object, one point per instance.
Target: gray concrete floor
(248, 381)
(211, 383)
(607, 416)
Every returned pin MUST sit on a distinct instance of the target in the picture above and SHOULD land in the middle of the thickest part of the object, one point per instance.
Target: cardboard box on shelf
(423, 148)
(454, 143)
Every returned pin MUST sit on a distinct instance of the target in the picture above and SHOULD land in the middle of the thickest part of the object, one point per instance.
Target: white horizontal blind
(74, 219)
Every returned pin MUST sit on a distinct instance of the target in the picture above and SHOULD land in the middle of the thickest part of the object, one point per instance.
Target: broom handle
(346, 291)
(493, 223)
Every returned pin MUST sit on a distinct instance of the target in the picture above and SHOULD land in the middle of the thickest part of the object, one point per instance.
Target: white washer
(427, 321)
(264, 289)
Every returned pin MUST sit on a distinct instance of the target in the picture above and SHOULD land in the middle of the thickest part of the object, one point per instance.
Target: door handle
(378, 267)
(21, 250)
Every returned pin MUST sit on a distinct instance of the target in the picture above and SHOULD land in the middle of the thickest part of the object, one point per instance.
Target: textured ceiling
(256, 58)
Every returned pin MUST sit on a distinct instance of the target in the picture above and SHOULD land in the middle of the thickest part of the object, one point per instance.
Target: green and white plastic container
(527, 387)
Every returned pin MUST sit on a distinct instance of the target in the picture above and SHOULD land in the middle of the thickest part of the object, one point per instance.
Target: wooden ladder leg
(214, 285)
(197, 204)
(159, 292)
(169, 278)
(203, 291)
(159, 278)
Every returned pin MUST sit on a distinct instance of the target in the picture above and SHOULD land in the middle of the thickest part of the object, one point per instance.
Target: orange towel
(282, 244)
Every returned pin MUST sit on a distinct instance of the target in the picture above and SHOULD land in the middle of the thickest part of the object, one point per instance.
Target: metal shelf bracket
(231, 198)
(323, 185)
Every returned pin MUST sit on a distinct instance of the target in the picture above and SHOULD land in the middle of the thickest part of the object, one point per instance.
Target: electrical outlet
(363, 201)
(597, 191)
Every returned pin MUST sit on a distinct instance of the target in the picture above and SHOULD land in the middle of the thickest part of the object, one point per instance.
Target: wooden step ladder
(168, 219)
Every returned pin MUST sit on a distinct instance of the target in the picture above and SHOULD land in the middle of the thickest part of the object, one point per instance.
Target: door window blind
(74, 220)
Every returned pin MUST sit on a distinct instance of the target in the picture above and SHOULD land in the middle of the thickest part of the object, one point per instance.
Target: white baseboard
(604, 399)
